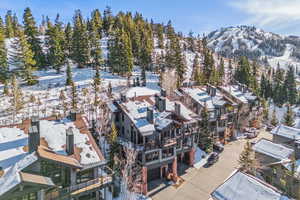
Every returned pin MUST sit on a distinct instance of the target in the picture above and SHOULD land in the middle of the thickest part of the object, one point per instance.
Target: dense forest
(131, 40)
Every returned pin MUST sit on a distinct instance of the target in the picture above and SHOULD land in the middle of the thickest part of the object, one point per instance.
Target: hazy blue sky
(280, 16)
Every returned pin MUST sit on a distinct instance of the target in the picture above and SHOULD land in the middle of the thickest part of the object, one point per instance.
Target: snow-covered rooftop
(202, 97)
(273, 150)
(14, 142)
(241, 186)
(237, 93)
(287, 132)
(136, 109)
(11, 178)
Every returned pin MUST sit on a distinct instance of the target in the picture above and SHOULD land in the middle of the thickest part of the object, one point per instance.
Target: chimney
(240, 87)
(163, 93)
(137, 81)
(36, 122)
(34, 139)
(134, 83)
(208, 89)
(123, 97)
(245, 89)
(70, 141)
(162, 104)
(93, 128)
(156, 97)
(150, 116)
(73, 115)
(177, 109)
(213, 91)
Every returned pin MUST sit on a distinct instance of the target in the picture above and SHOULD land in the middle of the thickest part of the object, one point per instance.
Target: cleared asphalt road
(200, 183)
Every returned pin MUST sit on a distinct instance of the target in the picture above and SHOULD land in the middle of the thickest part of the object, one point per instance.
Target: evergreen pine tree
(191, 42)
(246, 159)
(274, 120)
(222, 70)
(94, 39)
(31, 31)
(69, 79)
(242, 74)
(68, 40)
(179, 63)
(22, 58)
(265, 110)
(55, 43)
(108, 20)
(113, 142)
(9, 31)
(74, 95)
(120, 57)
(206, 139)
(80, 44)
(97, 78)
(16, 101)
(290, 86)
(160, 36)
(288, 119)
(3, 58)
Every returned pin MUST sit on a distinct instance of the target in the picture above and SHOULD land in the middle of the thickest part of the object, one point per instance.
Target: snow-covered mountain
(256, 44)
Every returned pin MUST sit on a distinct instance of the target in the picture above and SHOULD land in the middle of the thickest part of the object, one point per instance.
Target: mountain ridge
(255, 43)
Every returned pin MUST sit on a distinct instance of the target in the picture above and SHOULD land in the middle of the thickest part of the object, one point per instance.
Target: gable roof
(241, 186)
(14, 143)
(11, 177)
(272, 149)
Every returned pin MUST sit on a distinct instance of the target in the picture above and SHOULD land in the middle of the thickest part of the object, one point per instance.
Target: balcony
(169, 142)
(75, 190)
(151, 145)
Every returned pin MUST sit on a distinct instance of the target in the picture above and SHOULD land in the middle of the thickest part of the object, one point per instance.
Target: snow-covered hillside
(256, 44)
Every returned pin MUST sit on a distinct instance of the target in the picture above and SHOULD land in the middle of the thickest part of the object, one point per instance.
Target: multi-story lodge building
(161, 129)
(248, 103)
(222, 110)
(51, 159)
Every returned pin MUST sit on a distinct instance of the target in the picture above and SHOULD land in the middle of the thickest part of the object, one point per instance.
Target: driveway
(200, 183)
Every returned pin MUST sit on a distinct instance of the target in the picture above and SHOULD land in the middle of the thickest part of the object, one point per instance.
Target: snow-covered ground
(285, 60)
(47, 92)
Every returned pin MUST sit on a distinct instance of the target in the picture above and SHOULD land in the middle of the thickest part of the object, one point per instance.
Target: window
(167, 153)
(152, 156)
(84, 176)
(56, 172)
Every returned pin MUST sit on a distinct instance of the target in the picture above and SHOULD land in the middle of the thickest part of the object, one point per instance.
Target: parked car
(270, 127)
(252, 135)
(212, 159)
(218, 147)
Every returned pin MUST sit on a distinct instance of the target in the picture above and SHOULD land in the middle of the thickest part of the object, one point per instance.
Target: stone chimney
(69, 141)
(163, 93)
(34, 139)
(150, 116)
(177, 109)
